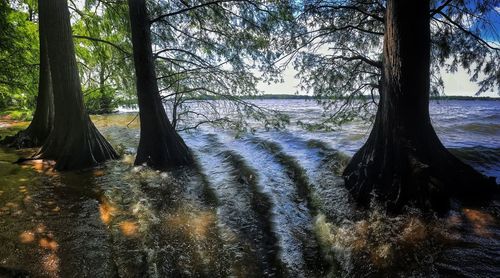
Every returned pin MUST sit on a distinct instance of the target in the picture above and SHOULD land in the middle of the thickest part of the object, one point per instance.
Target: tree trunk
(43, 118)
(403, 161)
(74, 142)
(104, 99)
(160, 146)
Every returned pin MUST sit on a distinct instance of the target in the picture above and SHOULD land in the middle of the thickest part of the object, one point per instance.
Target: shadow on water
(117, 220)
(475, 249)
(292, 220)
(244, 211)
(50, 221)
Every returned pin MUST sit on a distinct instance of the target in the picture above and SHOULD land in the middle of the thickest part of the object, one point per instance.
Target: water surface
(267, 204)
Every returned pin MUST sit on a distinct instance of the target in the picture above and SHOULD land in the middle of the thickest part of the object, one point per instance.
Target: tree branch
(440, 8)
(377, 64)
(189, 9)
(354, 8)
(476, 37)
(103, 41)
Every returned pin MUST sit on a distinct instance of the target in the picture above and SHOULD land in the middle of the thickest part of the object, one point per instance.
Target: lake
(266, 204)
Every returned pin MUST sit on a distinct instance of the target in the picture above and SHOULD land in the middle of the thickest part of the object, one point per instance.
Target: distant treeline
(306, 97)
(266, 96)
(464, 98)
(280, 96)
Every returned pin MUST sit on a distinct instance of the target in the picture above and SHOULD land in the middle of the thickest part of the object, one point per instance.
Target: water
(268, 204)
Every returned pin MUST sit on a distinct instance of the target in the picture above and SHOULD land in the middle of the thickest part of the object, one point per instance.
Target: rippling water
(268, 204)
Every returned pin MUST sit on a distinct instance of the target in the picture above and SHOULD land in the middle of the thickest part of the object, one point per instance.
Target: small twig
(136, 115)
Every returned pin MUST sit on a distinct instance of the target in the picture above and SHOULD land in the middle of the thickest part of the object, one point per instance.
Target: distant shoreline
(305, 97)
(464, 98)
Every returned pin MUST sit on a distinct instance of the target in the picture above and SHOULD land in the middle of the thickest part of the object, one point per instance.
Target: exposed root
(426, 179)
(22, 140)
(74, 148)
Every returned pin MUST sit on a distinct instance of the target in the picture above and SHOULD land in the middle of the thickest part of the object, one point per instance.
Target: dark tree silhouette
(403, 161)
(395, 49)
(160, 146)
(74, 142)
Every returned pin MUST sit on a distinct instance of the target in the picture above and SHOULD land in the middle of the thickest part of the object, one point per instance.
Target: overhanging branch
(189, 9)
(354, 8)
(463, 29)
(103, 41)
(440, 8)
(377, 64)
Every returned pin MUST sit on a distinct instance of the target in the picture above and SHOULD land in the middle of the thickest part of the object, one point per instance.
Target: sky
(456, 84)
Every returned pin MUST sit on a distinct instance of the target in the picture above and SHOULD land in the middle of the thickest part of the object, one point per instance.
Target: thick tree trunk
(160, 146)
(403, 162)
(43, 118)
(74, 142)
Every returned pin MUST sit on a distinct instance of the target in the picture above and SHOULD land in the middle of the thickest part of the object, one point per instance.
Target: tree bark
(403, 161)
(160, 146)
(104, 99)
(74, 142)
(43, 118)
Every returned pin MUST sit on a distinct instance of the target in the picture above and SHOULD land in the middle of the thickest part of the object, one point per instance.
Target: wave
(485, 160)
(483, 128)
(478, 155)
(244, 212)
(291, 216)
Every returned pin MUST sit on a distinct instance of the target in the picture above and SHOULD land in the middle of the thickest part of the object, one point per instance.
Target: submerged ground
(266, 204)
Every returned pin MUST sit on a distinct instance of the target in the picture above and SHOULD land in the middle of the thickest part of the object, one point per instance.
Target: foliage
(465, 34)
(18, 56)
(210, 50)
(103, 47)
(206, 50)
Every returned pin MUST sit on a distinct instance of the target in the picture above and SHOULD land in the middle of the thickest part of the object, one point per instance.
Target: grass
(16, 115)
